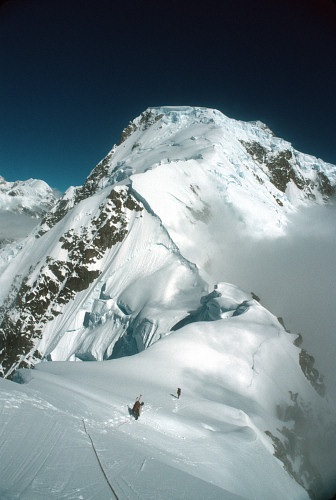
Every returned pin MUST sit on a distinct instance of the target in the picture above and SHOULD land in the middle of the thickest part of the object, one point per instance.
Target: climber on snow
(137, 407)
(178, 393)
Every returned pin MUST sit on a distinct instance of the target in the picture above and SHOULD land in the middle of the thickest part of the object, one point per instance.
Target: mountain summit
(126, 262)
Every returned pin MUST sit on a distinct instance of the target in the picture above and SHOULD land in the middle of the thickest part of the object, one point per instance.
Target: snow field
(212, 437)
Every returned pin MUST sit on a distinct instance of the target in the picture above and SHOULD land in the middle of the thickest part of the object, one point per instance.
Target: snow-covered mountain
(31, 197)
(130, 259)
(22, 205)
(148, 214)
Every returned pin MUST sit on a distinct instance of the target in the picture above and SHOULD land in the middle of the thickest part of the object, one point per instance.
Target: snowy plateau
(120, 291)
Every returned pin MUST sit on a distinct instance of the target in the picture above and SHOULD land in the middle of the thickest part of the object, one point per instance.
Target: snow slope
(235, 374)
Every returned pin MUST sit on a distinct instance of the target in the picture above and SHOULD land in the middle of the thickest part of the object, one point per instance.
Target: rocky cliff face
(39, 300)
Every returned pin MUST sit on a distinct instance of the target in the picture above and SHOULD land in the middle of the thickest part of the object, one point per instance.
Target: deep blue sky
(74, 72)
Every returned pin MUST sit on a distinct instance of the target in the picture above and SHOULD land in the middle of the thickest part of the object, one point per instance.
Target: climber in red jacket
(136, 410)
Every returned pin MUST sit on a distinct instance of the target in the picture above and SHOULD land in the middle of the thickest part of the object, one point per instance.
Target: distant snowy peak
(22, 205)
(32, 197)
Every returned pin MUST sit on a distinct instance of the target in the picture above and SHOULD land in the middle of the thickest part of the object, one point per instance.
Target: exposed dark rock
(29, 306)
(282, 168)
(286, 453)
(281, 171)
(127, 132)
(307, 362)
(282, 323)
(50, 219)
(311, 373)
(147, 118)
(281, 453)
(279, 202)
(294, 445)
(325, 186)
(89, 188)
(298, 341)
(91, 184)
(255, 297)
(256, 150)
(259, 179)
